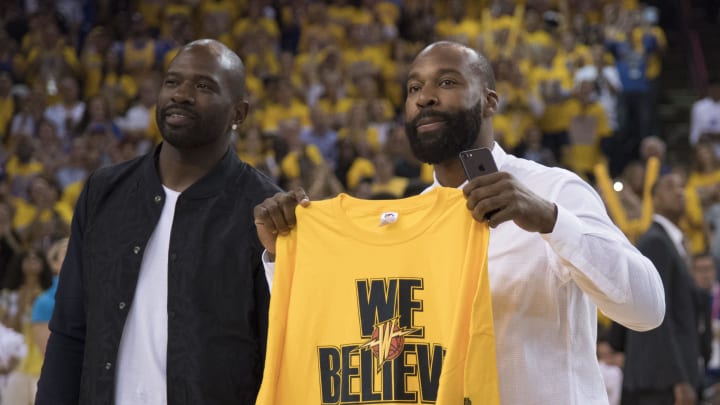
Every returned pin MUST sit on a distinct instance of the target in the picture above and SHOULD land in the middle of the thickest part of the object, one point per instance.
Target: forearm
(622, 282)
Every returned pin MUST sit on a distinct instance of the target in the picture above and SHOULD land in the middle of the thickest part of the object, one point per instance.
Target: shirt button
(108, 365)
(136, 249)
(158, 199)
(173, 257)
(171, 314)
(121, 305)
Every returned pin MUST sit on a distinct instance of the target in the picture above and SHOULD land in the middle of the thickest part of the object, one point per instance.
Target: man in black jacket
(661, 365)
(162, 297)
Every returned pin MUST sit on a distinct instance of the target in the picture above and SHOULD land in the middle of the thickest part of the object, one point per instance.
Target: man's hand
(684, 394)
(500, 196)
(276, 215)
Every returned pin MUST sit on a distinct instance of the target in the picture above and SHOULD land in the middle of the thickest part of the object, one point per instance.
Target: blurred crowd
(577, 80)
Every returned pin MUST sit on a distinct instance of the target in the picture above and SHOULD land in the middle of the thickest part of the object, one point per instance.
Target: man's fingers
(485, 181)
(301, 198)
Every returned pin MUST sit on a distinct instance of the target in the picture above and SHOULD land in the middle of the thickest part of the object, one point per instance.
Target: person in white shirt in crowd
(138, 119)
(705, 117)
(67, 113)
(607, 83)
(554, 255)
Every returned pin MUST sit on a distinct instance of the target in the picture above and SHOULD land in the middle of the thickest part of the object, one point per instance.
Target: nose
(183, 94)
(427, 98)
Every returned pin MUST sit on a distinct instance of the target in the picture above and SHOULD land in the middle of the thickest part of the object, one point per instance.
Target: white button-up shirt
(546, 289)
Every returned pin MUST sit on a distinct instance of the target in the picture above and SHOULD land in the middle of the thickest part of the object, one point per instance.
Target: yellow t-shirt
(359, 169)
(391, 314)
(693, 224)
(32, 363)
(396, 186)
(15, 168)
(138, 59)
(290, 164)
(274, 113)
(72, 192)
(556, 117)
(465, 31)
(587, 127)
(25, 212)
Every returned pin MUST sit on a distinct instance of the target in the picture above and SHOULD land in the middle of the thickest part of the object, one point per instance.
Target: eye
(413, 88)
(447, 82)
(204, 87)
(170, 82)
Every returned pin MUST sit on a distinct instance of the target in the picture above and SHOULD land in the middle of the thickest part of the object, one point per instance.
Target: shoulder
(108, 177)
(536, 175)
(654, 235)
(253, 184)
(700, 104)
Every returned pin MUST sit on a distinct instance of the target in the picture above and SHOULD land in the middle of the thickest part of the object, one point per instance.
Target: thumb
(301, 197)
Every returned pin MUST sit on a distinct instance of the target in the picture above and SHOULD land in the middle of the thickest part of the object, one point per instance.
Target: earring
(234, 127)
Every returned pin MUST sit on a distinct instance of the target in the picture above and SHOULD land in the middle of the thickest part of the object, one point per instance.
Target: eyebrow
(195, 77)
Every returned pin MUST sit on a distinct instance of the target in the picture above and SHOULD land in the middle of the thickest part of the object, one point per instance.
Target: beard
(459, 133)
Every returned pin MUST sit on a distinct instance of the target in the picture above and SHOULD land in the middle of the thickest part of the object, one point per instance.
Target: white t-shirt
(142, 357)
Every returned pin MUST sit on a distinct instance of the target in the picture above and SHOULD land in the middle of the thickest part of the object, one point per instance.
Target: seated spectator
(22, 166)
(139, 118)
(322, 136)
(702, 192)
(704, 121)
(52, 153)
(67, 113)
(42, 213)
(28, 276)
(385, 181)
(532, 148)
(588, 128)
(351, 166)
(45, 303)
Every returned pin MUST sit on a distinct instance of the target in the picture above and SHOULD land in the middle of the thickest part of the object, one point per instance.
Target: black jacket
(217, 294)
(667, 355)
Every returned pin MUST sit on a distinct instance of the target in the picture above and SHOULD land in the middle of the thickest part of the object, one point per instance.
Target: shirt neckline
(428, 205)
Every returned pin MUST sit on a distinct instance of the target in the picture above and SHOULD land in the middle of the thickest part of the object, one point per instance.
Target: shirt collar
(498, 154)
(672, 230)
(212, 183)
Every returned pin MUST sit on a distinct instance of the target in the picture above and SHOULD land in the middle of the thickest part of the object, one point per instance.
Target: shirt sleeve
(62, 369)
(269, 268)
(593, 252)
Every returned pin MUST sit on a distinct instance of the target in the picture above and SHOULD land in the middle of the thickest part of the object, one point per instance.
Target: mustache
(177, 107)
(447, 116)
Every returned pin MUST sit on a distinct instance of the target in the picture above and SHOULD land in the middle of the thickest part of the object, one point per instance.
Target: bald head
(227, 59)
(478, 64)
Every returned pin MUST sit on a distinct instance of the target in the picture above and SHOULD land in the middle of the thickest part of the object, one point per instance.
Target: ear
(491, 103)
(241, 111)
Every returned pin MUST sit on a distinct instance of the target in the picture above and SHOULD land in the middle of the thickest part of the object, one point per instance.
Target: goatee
(459, 133)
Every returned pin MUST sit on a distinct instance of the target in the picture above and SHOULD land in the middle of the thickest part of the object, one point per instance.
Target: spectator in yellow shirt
(588, 127)
(282, 105)
(22, 167)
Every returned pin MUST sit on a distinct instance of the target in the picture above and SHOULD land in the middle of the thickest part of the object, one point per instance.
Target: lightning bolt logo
(382, 340)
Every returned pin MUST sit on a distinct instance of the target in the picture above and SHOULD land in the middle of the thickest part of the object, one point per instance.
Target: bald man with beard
(554, 256)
